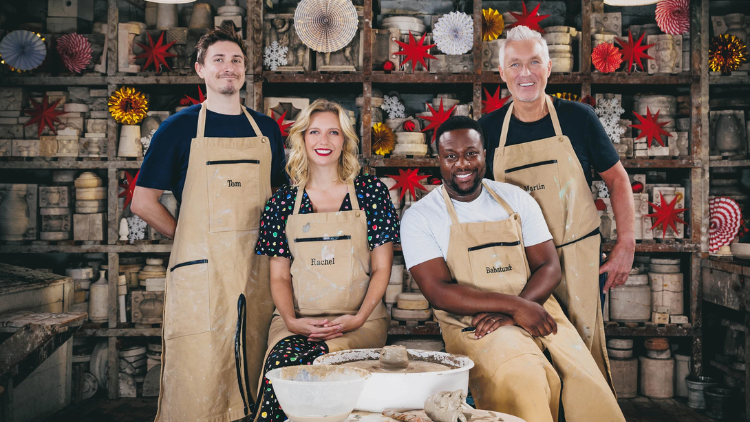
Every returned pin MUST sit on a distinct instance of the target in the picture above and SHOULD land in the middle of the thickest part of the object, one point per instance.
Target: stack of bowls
(559, 41)
(405, 24)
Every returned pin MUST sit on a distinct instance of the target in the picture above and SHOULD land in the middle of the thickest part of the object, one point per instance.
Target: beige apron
(549, 170)
(331, 273)
(213, 344)
(510, 369)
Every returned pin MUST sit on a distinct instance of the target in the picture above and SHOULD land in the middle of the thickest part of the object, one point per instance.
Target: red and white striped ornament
(673, 16)
(724, 222)
(75, 51)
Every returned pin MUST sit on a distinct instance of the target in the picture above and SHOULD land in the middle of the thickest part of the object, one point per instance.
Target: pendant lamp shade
(629, 2)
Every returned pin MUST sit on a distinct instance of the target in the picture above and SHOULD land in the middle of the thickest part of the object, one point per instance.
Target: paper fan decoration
(408, 180)
(23, 50)
(156, 54)
(415, 52)
(724, 222)
(493, 102)
(325, 25)
(492, 24)
(454, 33)
(726, 53)
(666, 215)
(673, 16)
(650, 127)
(128, 106)
(530, 20)
(75, 52)
(44, 114)
(382, 139)
(606, 58)
(633, 52)
(437, 118)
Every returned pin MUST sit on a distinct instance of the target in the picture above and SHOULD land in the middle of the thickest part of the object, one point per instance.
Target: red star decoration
(408, 180)
(415, 51)
(283, 126)
(155, 54)
(530, 20)
(44, 114)
(129, 187)
(190, 100)
(437, 119)
(493, 102)
(633, 52)
(666, 215)
(650, 127)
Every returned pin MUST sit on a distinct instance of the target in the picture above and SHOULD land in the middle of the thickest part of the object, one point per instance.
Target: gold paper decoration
(726, 53)
(382, 140)
(492, 24)
(128, 106)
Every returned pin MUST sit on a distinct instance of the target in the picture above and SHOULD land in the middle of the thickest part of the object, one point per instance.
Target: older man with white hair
(548, 146)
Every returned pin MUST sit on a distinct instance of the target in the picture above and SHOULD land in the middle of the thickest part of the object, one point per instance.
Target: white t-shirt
(426, 225)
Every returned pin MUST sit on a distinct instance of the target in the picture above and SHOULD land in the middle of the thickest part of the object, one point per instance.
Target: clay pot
(562, 63)
(728, 134)
(130, 141)
(557, 38)
(14, 213)
(695, 386)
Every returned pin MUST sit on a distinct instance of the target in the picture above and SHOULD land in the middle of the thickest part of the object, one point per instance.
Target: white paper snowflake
(609, 111)
(454, 33)
(146, 140)
(137, 228)
(274, 55)
(393, 107)
(601, 188)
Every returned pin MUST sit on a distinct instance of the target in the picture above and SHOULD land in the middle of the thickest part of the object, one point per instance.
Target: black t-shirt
(578, 122)
(166, 161)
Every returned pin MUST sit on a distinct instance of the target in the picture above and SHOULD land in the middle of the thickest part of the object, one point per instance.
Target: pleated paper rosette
(724, 222)
(23, 50)
(326, 25)
(75, 51)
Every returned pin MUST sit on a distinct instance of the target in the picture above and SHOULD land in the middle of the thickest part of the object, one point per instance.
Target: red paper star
(493, 102)
(633, 52)
(666, 215)
(44, 114)
(283, 126)
(530, 20)
(190, 100)
(415, 51)
(129, 187)
(437, 118)
(650, 127)
(408, 180)
(155, 54)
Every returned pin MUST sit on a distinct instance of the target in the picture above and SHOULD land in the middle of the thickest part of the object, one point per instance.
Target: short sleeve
(161, 165)
(382, 219)
(418, 243)
(272, 234)
(602, 152)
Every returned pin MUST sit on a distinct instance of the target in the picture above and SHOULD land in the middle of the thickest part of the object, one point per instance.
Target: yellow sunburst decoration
(566, 96)
(726, 53)
(128, 106)
(492, 24)
(382, 140)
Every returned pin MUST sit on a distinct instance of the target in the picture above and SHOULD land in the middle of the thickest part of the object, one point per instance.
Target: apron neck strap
(452, 209)
(202, 121)
(301, 191)
(552, 115)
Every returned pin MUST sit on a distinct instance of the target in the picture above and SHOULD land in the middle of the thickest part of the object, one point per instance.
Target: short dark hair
(226, 32)
(456, 123)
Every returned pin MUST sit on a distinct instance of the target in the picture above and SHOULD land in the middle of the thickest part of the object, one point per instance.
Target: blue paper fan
(23, 50)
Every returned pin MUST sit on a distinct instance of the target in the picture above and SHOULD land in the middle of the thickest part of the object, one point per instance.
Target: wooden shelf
(729, 80)
(119, 332)
(418, 330)
(70, 164)
(574, 78)
(158, 248)
(622, 78)
(378, 161)
(40, 80)
(729, 163)
(424, 77)
(640, 163)
(650, 330)
(734, 266)
(155, 80)
(658, 247)
(312, 77)
(734, 373)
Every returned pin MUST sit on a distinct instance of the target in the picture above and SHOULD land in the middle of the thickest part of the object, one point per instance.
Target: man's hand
(533, 318)
(485, 323)
(618, 265)
(313, 329)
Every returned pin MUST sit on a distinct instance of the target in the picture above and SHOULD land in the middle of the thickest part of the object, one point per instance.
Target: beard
(473, 188)
(227, 90)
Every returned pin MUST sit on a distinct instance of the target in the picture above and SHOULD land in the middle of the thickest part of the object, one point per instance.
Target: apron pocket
(326, 280)
(187, 300)
(233, 195)
(542, 181)
(497, 267)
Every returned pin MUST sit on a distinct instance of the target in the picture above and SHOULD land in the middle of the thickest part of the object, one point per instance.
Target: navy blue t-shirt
(166, 162)
(578, 122)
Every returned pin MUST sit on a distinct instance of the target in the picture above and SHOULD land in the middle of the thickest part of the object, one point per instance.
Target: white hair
(522, 33)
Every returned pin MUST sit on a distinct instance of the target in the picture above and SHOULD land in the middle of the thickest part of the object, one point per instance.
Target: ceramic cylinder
(681, 371)
(397, 274)
(657, 377)
(624, 377)
(631, 302)
(667, 292)
(130, 145)
(201, 17)
(166, 16)
(14, 212)
(98, 299)
(695, 387)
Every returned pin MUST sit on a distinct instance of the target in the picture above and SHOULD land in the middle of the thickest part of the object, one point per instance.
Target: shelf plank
(621, 78)
(313, 77)
(734, 266)
(41, 80)
(423, 77)
(119, 332)
(155, 80)
(378, 161)
(729, 163)
(649, 331)
(728, 80)
(158, 248)
(663, 164)
(734, 373)
(419, 330)
(658, 247)
(71, 164)
(491, 77)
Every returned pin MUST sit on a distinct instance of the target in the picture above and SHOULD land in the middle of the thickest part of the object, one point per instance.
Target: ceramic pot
(99, 298)
(201, 17)
(728, 134)
(657, 377)
(735, 23)
(130, 141)
(667, 104)
(720, 403)
(695, 386)
(631, 302)
(625, 377)
(166, 16)
(14, 212)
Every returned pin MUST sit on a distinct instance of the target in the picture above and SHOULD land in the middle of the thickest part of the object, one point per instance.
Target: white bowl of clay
(403, 388)
(317, 393)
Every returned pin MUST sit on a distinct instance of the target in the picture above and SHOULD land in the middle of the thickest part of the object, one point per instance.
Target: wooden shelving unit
(695, 166)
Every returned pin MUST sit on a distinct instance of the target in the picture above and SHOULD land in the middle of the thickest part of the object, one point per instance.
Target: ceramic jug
(14, 212)
(728, 134)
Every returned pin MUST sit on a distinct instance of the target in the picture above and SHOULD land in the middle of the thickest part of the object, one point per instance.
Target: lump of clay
(394, 357)
(446, 407)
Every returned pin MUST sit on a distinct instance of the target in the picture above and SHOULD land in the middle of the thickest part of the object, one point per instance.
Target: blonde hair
(297, 165)
(522, 33)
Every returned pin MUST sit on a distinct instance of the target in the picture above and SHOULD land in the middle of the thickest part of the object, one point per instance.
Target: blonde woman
(329, 235)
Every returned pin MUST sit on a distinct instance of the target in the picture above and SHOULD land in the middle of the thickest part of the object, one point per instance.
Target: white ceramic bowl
(404, 391)
(310, 393)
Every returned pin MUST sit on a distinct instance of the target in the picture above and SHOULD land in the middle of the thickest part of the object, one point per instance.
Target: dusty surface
(413, 367)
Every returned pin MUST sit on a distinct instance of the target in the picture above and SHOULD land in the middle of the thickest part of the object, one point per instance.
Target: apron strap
(301, 190)
(202, 122)
(506, 122)
(449, 205)
(499, 200)
(452, 209)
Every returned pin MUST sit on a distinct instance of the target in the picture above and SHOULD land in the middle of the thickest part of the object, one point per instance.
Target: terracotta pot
(14, 213)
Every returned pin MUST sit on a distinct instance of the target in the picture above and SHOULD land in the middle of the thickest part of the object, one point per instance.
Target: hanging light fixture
(629, 2)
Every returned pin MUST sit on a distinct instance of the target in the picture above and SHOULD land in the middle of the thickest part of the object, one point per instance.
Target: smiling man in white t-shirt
(481, 253)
